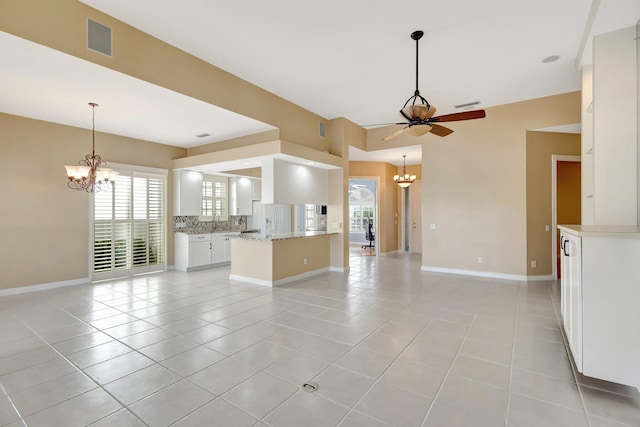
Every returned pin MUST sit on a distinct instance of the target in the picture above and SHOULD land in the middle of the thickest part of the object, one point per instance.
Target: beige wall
(289, 255)
(271, 261)
(540, 147)
(252, 258)
(474, 186)
(44, 226)
(387, 232)
(474, 180)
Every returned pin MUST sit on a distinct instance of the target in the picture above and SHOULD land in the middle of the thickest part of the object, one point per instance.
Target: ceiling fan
(420, 114)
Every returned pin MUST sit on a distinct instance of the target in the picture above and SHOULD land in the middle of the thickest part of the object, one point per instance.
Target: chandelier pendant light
(90, 174)
(405, 179)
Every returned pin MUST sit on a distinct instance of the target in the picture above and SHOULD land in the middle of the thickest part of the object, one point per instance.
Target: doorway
(411, 236)
(566, 200)
(363, 215)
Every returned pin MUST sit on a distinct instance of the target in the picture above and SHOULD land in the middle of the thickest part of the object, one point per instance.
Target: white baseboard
(491, 275)
(339, 269)
(43, 287)
(278, 282)
(540, 278)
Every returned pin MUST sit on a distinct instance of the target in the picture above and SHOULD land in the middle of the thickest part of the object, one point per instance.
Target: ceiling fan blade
(396, 133)
(440, 130)
(455, 117)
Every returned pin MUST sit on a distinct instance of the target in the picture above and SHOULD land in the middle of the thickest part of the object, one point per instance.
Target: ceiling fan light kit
(419, 114)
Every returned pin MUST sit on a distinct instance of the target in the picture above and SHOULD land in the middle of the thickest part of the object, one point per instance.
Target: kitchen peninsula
(276, 259)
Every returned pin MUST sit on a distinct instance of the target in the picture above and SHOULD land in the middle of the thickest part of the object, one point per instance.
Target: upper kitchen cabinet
(240, 196)
(256, 189)
(187, 193)
(296, 184)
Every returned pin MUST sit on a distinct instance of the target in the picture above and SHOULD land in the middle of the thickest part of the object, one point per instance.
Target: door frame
(376, 208)
(555, 158)
(403, 216)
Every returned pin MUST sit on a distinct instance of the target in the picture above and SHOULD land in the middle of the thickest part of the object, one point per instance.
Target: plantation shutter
(129, 226)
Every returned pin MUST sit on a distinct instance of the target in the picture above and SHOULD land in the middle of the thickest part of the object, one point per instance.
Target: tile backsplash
(193, 225)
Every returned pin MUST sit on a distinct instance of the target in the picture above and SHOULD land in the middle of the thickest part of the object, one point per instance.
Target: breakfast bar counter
(276, 259)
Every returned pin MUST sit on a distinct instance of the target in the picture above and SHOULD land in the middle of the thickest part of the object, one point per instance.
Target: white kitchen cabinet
(187, 193)
(200, 250)
(218, 243)
(227, 248)
(571, 289)
(256, 189)
(194, 251)
(240, 197)
(600, 298)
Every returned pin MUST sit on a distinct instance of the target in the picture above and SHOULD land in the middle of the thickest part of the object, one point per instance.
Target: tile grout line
(83, 373)
(448, 371)
(376, 381)
(21, 418)
(181, 376)
(513, 353)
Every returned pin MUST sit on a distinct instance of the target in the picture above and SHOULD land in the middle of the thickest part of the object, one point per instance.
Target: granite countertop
(209, 232)
(281, 236)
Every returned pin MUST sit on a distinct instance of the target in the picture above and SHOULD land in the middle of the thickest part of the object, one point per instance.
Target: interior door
(415, 217)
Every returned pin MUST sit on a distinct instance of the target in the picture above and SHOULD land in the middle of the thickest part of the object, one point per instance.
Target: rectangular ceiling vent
(321, 129)
(99, 37)
(203, 135)
(467, 105)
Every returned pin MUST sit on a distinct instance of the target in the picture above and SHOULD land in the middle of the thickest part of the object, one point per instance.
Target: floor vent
(99, 37)
(310, 386)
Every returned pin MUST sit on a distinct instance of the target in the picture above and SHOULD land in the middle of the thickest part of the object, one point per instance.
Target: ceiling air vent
(467, 105)
(203, 135)
(99, 37)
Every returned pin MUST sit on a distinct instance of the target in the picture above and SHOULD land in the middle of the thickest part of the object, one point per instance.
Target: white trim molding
(489, 274)
(44, 287)
(278, 282)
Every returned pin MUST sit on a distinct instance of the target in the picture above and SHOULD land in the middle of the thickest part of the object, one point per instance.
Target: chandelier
(405, 179)
(90, 175)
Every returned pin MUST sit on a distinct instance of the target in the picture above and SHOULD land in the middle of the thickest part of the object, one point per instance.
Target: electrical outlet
(546, 227)
(480, 260)
(432, 226)
(533, 264)
(305, 261)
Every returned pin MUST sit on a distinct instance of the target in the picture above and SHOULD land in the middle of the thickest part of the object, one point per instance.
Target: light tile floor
(387, 344)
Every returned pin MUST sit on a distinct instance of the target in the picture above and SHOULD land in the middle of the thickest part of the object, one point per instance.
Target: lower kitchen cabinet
(600, 296)
(193, 251)
(571, 293)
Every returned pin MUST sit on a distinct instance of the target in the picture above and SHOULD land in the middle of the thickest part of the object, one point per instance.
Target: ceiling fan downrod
(417, 35)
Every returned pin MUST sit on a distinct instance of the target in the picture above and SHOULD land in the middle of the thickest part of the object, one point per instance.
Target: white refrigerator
(270, 218)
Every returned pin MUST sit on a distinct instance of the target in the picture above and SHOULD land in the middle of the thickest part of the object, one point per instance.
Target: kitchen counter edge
(281, 236)
(602, 230)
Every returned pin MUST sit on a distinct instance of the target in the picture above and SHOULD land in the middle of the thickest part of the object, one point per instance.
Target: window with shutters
(129, 226)
(214, 198)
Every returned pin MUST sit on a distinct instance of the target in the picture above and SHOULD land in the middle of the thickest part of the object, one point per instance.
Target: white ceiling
(331, 57)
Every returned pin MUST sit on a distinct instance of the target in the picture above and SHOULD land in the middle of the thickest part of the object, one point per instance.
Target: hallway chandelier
(90, 175)
(405, 179)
